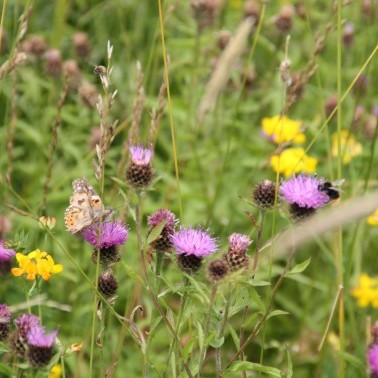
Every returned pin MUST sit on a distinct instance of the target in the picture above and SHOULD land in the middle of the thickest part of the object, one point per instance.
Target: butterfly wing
(85, 207)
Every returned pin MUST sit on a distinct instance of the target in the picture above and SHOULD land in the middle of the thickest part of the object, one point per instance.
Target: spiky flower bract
(264, 194)
(237, 257)
(139, 172)
(238, 242)
(107, 284)
(6, 256)
(217, 270)
(110, 234)
(160, 216)
(5, 317)
(197, 242)
(304, 191)
(40, 346)
(163, 242)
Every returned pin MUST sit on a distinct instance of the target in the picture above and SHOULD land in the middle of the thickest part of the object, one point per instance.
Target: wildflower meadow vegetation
(188, 188)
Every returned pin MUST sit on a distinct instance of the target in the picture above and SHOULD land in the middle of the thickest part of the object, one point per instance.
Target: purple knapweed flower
(25, 322)
(162, 215)
(140, 155)
(40, 346)
(38, 337)
(6, 256)
(372, 357)
(111, 234)
(197, 242)
(5, 316)
(238, 242)
(304, 191)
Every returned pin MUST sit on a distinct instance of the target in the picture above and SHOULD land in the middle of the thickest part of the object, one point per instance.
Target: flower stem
(206, 329)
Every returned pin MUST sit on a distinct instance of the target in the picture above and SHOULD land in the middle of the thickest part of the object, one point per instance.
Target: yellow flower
(367, 291)
(282, 129)
(373, 219)
(56, 371)
(349, 146)
(293, 160)
(36, 263)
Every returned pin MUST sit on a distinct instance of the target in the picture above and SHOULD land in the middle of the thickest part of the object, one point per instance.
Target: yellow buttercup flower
(349, 146)
(293, 160)
(282, 129)
(56, 371)
(366, 292)
(373, 219)
(36, 263)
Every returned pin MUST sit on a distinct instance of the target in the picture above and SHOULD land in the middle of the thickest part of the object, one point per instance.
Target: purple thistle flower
(140, 155)
(197, 242)
(6, 256)
(5, 314)
(372, 356)
(112, 234)
(38, 337)
(162, 215)
(25, 322)
(303, 190)
(239, 242)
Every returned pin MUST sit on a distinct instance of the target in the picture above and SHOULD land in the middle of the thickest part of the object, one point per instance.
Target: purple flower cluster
(239, 242)
(372, 356)
(109, 235)
(304, 191)
(140, 155)
(6, 256)
(38, 337)
(162, 215)
(197, 242)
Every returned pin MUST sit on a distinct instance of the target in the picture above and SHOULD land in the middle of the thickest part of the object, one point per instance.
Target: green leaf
(131, 272)
(217, 342)
(201, 335)
(353, 360)
(155, 232)
(277, 313)
(299, 268)
(252, 366)
(289, 372)
(256, 298)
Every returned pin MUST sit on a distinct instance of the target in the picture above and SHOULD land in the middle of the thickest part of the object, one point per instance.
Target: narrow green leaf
(252, 366)
(353, 360)
(155, 232)
(299, 268)
(277, 313)
(289, 372)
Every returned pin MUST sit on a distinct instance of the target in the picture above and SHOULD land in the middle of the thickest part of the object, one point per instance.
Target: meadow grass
(193, 83)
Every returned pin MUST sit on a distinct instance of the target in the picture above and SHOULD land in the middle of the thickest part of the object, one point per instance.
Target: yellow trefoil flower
(349, 146)
(56, 371)
(373, 219)
(281, 129)
(293, 160)
(36, 263)
(366, 292)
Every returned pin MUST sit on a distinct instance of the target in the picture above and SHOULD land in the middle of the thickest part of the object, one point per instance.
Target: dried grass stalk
(221, 74)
